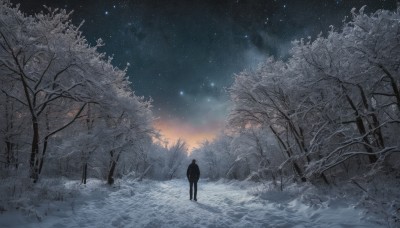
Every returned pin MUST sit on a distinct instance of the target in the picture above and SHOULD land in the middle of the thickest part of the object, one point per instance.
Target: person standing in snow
(193, 175)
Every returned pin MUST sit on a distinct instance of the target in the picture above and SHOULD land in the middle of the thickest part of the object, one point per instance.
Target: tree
(361, 101)
(58, 79)
(334, 102)
(175, 156)
(260, 100)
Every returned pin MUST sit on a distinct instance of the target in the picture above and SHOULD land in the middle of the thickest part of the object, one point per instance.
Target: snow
(166, 204)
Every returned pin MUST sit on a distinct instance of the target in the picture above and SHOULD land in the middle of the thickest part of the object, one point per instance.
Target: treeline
(330, 111)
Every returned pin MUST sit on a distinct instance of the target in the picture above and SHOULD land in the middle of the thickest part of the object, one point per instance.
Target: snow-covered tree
(215, 158)
(333, 103)
(58, 81)
(360, 105)
(175, 157)
(262, 101)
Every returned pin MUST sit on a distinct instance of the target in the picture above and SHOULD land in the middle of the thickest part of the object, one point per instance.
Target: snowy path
(166, 204)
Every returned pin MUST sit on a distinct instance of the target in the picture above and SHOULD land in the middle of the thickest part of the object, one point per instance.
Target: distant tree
(215, 158)
(175, 157)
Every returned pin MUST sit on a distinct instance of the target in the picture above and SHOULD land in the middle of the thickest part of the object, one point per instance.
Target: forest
(327, 115)
(329, 112)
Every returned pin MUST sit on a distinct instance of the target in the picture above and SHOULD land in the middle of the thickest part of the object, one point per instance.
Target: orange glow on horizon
(193, 136)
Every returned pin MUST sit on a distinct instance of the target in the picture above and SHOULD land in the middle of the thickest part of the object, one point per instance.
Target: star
(167, 51)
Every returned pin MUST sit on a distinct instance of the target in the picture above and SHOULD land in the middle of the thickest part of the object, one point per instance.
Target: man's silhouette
(193, 175)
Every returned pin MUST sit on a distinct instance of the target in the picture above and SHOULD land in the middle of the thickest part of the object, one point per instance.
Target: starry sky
(183, 54)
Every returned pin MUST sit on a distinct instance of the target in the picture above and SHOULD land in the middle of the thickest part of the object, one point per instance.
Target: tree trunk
(84, 173)
(110, 178)
(7, 140)
(34, 151)
(324, 178)
(8, 153)
(361, 129)
(376, 130)
(16, 156)
(296, 167)
(360, 126)
(43, 154)
(393, 84)
(113, 164)
(46, 139)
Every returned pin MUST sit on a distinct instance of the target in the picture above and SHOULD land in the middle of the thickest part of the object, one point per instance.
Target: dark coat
(193, 172)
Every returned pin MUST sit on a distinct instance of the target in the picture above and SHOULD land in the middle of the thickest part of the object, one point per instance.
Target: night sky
(183, 54)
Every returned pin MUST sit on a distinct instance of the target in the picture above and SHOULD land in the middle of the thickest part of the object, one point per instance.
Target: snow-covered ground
(167, 204)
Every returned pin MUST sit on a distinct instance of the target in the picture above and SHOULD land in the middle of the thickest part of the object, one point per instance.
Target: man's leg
(195, 190)
(191, 190)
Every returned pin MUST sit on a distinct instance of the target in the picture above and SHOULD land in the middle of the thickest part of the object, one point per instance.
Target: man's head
(194, 161)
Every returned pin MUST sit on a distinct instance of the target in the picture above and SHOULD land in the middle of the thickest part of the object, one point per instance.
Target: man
(193, 175)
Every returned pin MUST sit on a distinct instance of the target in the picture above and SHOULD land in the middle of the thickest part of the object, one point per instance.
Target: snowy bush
(21, 194)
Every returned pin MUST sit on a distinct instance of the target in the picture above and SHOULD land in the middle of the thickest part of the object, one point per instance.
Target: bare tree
(176, 155)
